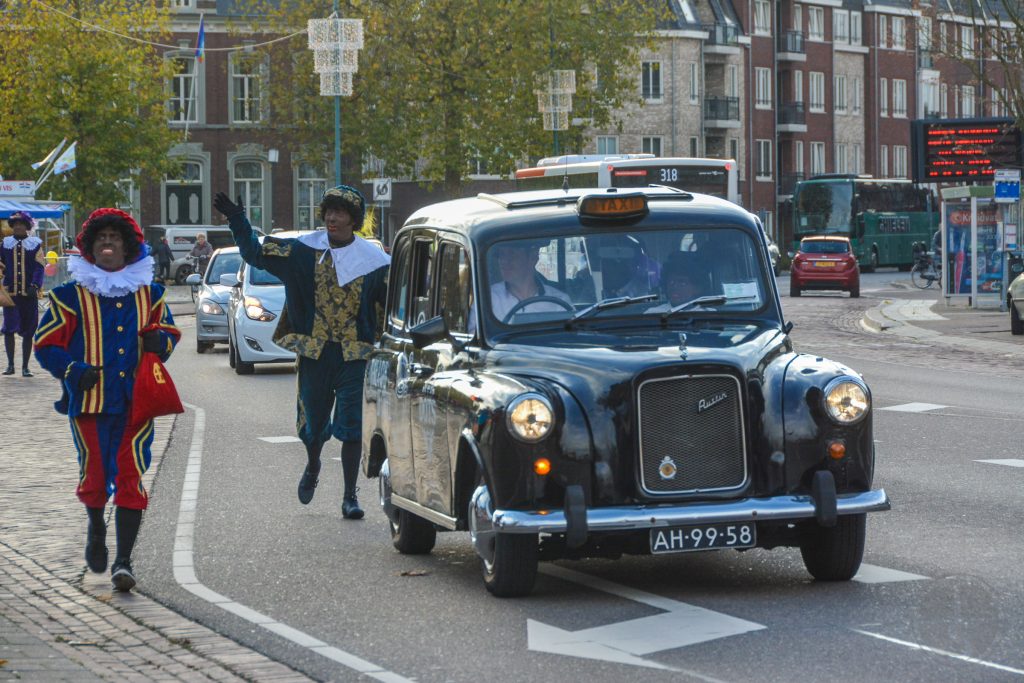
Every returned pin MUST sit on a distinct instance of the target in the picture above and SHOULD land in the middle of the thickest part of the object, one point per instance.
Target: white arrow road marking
(869, 573)
(914, 407)
(681, 624)
(1009, 462)
(944, 653)
(185, 572)
(279, 439)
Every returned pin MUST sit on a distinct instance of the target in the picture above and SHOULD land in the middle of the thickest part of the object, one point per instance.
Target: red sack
(155, 393)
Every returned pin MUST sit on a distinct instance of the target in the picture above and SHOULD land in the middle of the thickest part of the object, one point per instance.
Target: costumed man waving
(23, 278)
(335, 287)
(91, 339)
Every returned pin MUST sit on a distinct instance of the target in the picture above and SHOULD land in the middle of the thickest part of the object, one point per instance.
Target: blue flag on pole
(66, 161)
(201, 41)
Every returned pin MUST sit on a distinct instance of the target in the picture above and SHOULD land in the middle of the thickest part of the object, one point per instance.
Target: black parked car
(596, 372)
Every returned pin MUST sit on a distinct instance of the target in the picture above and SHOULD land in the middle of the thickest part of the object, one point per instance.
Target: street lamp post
(554, 100)
(335, 43)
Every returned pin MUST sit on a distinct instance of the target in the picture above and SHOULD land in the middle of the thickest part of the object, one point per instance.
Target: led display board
(963, 150)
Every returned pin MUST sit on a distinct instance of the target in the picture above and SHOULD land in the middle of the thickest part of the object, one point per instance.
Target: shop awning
(37, 209)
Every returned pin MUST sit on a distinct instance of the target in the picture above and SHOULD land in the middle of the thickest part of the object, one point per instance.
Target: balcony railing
(722, 108)
(793, 113)
(792, 41)
(788, 181)
(722, 34)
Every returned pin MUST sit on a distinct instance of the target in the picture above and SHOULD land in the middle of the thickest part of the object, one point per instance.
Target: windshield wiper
(714, 300)
(614, 302)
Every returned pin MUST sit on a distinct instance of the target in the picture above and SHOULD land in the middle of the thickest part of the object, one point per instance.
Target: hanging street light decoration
(335, 43)
(554, 98)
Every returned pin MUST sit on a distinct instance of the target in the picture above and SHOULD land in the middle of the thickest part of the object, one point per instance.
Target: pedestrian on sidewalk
(335, 286)
(91, 339)
(163, 257)
(20, 254)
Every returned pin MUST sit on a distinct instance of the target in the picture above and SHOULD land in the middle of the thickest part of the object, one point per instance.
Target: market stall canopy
(37, 209)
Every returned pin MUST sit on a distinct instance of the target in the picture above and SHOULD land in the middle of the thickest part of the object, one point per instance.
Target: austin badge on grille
(667, 468)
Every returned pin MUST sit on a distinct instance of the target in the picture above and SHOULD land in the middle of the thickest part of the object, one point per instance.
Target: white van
(181, 239)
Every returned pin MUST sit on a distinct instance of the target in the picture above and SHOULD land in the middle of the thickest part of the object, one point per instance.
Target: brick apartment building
(788, 89)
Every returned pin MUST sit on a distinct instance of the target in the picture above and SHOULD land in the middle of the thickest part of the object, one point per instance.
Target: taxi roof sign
(612, 206)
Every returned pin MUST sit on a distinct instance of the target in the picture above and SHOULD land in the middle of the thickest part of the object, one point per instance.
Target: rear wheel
(794, 289)
(855, 291)
(412, 535)
(835, 553)
(1016, 324)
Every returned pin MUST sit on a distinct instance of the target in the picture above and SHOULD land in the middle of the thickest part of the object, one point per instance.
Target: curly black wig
(132, 247)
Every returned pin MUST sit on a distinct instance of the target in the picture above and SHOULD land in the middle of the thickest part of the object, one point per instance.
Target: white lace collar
(30, 242)
(111, 283)
(351, 261)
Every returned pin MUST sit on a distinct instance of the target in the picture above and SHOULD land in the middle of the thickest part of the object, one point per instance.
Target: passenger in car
(517, 263)
(682, 280)
(335, 287)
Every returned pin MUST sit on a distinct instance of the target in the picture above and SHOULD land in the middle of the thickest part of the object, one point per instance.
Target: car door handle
(420, 370)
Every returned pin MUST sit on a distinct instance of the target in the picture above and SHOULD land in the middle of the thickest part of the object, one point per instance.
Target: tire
(917, 277)
(509, 562)
(855, 291)
(203, 347)
(243, 368)
(794, 290)
(183, 272)
(835, 553)
(412, 535)
(1016, 324)
(231, 354)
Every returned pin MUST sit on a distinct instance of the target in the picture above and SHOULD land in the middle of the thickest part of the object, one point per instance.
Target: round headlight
(846, 401)
(530, 417)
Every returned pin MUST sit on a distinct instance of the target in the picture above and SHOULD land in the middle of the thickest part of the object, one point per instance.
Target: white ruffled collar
(30, 242)
(351, 261)
(111, 283)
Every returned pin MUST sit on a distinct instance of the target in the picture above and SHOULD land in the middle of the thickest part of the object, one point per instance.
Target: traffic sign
(381, 190)
(1006, 182)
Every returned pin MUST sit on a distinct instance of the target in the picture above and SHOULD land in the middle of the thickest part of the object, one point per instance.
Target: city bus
(884, 218)
(716, 177)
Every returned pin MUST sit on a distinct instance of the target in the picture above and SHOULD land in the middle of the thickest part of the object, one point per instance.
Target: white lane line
(185, 573)
(870, 573)
(279, 439)
(914, 407)
(944, 653)
(1009, 462)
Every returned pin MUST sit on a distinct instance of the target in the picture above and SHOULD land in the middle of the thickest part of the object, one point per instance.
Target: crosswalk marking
(914, 407)
(870, 573)
(279, 439)
(1009, 462)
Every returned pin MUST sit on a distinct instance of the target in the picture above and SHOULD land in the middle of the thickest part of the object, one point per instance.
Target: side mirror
(194, 279)
(432, 331)
(229, 280)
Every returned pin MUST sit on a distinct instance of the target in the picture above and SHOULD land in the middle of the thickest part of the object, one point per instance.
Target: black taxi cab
(587, 373)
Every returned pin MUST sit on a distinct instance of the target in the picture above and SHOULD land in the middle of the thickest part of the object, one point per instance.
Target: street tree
(88, 71)
(443, 83)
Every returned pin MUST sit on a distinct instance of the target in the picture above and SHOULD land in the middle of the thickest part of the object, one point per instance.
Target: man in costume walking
(91, 340)
(335, 287)
(23, 278)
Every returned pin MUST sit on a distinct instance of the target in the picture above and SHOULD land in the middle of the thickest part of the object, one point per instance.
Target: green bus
(884, 218)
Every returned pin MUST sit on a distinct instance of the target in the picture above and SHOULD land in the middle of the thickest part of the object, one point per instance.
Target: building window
(956, 100)
(127, 192)
(817, 91)
(762, 17)
(763, 80)
(883, 96)
(858, 158)
(924, 33)
(245, 79)
(182, 106)
(694, 147)
(734, 149)
(651, 145)
(841, 160)
(855, 28)
(817, 158)
(798, 157)
(899, 161)
(732, 88)
(183, 4)
(816, 23)
(249, 186)
(798, 18)
(857, 95)
(899, 33)
(310, 185)
(967, 99)
(884, 161)
(651, 81)
(607, 144)
(944, 100)
(798, 86)
(764, 159)
(839, 96)
(694, 83)
(967, 42)
(840, 26)
(883, 31)
(899, 98)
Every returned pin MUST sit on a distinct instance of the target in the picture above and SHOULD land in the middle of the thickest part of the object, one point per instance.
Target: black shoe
(307, 485)
(96, 552)
(25, 372)
(9, 370)
(350, 507)
(121, 575)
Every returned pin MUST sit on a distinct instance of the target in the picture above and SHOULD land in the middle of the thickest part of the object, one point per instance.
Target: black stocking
(9, 347)
(97, 526)
(128, 522)
(26, 350)
(351, 452)
(313, 456)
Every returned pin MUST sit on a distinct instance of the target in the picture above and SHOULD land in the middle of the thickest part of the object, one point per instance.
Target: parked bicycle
(926, 271)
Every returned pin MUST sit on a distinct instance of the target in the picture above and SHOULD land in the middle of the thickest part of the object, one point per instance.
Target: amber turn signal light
(541, 466)
(837, 450)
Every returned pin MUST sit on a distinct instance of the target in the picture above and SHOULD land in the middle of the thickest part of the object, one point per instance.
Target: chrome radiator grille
(691, 434)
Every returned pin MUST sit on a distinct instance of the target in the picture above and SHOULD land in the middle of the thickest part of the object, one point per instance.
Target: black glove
(227, 207)
(152, 342)
(90, 376)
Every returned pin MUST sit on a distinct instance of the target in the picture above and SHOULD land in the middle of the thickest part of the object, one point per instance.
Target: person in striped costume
(91, 339)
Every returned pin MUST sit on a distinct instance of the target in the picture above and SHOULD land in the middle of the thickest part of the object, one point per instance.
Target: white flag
(50, 156)
(66, 162)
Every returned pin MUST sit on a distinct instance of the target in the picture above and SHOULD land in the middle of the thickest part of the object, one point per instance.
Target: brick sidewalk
(59, 622)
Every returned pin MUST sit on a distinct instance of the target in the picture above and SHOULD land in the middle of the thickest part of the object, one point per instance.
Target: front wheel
(1016, 324)
(919, 277)
(508, 561)
(835, 553)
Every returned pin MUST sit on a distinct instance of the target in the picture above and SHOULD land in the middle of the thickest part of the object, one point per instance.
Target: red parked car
(825, 262)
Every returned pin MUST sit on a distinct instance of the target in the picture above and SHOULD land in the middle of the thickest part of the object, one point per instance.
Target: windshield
(623, 274)
(259, 277)
(825, 207)
(222, 264)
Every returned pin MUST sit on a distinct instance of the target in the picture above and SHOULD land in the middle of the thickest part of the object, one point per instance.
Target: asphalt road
(940, 597)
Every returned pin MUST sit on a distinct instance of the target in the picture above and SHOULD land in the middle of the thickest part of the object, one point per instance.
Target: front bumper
(212, 328)
(639, 517)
